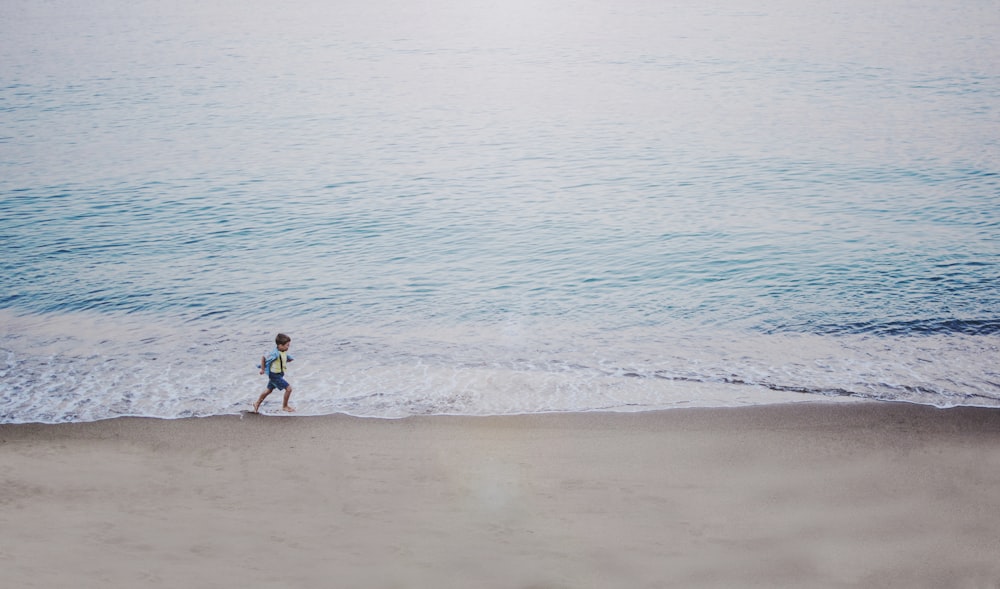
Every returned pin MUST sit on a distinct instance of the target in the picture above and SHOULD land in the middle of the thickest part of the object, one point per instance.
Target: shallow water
(486, 208)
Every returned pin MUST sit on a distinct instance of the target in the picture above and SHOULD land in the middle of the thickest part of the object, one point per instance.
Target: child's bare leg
(256, 406)
(285, 406)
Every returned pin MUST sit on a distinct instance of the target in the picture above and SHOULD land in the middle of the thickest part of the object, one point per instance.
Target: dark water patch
(912, 327)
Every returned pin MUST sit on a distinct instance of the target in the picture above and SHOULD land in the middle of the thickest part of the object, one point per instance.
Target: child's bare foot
(256, 407)
(288, 408)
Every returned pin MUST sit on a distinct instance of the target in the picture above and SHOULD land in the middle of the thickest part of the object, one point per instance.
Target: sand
(802, 495)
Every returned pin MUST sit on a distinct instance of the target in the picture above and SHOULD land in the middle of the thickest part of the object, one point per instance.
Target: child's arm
(263, 364)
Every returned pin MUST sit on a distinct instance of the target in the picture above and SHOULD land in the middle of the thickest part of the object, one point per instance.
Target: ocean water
(487, 207)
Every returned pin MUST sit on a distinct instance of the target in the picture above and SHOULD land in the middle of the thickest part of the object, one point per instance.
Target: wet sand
(803, 495)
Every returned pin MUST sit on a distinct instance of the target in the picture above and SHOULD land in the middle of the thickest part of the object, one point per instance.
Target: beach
(800, 495)
(610, 295)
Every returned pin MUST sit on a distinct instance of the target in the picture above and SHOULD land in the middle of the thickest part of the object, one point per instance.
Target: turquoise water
(484, 208)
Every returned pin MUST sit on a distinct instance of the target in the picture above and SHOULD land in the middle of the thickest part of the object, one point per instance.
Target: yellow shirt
(281, 361)
(277, 361)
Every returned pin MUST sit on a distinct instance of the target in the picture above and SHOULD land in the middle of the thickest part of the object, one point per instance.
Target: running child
(275, 364)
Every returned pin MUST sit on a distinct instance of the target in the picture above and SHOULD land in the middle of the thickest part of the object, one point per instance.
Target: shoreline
(804, 494)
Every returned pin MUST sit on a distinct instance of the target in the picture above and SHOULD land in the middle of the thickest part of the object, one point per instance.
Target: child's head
(282, 340)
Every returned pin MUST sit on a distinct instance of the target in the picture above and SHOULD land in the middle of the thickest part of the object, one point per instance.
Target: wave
(86, 366)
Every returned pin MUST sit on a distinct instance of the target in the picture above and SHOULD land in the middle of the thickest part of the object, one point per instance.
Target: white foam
(83, 367)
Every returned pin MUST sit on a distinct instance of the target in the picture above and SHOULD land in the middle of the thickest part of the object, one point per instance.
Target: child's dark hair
(282, 339)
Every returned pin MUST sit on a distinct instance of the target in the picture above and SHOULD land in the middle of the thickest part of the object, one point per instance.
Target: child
(275, 364)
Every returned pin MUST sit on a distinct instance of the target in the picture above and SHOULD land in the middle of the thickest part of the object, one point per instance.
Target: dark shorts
(276, 380)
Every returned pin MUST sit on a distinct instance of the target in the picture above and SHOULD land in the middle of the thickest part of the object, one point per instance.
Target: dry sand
(804, 495)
